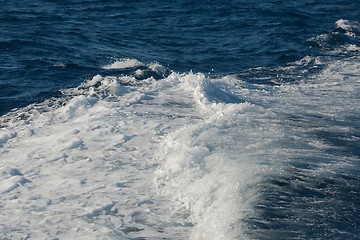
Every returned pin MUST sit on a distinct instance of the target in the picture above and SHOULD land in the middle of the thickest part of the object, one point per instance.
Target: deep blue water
(49, 45)
(46, 46)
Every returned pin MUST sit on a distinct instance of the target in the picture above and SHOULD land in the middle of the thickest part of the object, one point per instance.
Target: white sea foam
(181, 157)
(5, 135)
(347, 26)
(123, 64)
(344, 24)
(209, 169)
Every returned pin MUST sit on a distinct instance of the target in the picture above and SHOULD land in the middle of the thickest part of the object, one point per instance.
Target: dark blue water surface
(49, 45)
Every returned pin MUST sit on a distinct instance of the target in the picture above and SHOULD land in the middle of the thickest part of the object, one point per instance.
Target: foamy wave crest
(180, 155)
(92, 154)
(347, 26)
(343, 39)
(213, 167)
(123, 64)
(208, 168)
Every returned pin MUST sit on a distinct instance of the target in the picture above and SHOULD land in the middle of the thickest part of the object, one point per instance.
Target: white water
(182, 157)
(123, 64)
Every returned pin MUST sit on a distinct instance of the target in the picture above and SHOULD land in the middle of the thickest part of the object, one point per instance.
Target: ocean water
(181, 120)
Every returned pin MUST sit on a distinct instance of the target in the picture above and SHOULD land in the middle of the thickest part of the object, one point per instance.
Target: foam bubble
(5, 135)
(343, 24)
(124, 63)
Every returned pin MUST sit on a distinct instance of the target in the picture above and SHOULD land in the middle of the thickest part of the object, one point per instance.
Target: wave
(140, 151)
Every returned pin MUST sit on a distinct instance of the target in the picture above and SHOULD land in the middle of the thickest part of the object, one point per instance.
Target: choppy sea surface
(181, 120)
